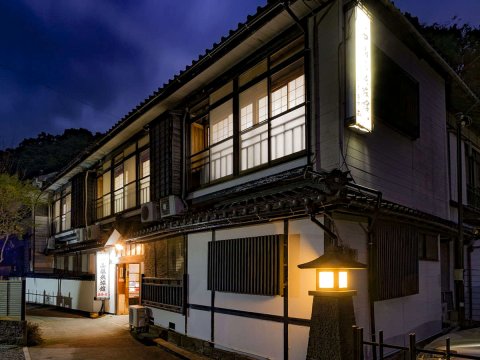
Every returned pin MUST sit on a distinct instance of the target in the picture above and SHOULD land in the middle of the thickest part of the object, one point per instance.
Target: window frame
(206, 180)
(109, 165)
(62, 197)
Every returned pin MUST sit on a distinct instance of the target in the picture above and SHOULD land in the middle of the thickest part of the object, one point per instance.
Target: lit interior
(363, 71)
(325, 279)
(342, 280)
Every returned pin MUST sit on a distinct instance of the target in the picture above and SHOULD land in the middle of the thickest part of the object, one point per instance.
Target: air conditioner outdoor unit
(149, 212)
(171, 205)
(93, 232)
(137, 316)
(80, 234)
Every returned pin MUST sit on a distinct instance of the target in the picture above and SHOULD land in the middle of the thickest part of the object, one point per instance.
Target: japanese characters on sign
(102, 291)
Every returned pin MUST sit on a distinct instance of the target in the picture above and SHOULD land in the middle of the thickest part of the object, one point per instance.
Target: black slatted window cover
(395, 260)
(246, 266)
(78, 201)
(166, 155)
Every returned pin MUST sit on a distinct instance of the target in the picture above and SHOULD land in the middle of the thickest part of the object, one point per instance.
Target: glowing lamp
(332, 272)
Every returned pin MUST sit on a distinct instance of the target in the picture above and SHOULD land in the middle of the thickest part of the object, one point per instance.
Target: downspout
(184, 155)
(459, 246)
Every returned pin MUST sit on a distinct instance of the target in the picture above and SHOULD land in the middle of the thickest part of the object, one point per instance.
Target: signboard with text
(102, 274)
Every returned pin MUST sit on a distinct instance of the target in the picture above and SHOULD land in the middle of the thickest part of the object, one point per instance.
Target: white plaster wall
(410, 172)
(256, 337)
(199, 324)
(163, 318)
(305, 243)
(80, 294)
(253, 303)
(297, 342)
(420, 313)
(197, 268)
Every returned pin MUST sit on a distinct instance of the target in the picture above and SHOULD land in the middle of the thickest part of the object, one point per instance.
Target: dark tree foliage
(459, 45)
(46, 153)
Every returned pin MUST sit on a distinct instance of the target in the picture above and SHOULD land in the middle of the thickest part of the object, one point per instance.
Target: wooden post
(412, 347)
(380, 341)
(447, 348)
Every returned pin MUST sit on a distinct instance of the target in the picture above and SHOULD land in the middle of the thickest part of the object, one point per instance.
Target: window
(125, 185)
(124, 182)
(62, 210)
(395, 96)
(247, 266)
(145, 176)
(269, 107)
(103, 195)
(164, 259)
(221, 149)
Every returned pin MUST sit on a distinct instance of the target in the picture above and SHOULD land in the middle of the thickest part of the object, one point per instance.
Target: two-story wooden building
(312, 122)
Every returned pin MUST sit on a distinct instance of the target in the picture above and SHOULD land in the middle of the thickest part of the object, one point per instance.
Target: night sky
(86, 63)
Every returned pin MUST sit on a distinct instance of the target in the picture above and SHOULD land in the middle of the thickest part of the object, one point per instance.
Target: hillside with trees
(46, 153)
(459, 45)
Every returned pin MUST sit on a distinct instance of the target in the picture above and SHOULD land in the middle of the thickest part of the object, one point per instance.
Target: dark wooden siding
(247, 266)
(166, 155)
(395, 260)
(78, 199)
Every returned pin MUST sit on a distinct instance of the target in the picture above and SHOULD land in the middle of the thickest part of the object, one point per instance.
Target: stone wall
(13, 332)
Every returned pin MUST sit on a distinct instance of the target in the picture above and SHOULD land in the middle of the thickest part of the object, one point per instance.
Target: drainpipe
(462, 121)
(184, 156)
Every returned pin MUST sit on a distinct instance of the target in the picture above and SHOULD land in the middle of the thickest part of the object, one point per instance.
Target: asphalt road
(70, 336)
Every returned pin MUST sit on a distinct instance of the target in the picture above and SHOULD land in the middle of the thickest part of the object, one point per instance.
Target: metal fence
(378, 348)
(12, 299)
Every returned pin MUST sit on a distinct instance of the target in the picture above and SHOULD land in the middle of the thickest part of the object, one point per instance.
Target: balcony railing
(165, 294)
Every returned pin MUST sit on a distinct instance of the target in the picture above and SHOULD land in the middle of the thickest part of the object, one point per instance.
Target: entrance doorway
(128, 286)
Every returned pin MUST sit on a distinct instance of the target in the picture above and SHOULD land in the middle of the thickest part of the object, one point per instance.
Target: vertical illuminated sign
(359, 70)
(102, 273)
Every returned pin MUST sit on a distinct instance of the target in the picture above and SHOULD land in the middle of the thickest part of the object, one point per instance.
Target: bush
(34, 334)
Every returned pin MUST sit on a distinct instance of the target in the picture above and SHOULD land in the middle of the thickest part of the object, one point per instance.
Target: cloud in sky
(87, 63)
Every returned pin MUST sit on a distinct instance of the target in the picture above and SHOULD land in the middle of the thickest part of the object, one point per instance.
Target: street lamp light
(332, 307)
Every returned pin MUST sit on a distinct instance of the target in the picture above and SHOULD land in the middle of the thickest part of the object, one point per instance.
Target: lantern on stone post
(332, 308)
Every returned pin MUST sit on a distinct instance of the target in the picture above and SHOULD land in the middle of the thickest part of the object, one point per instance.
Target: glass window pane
(118, 177)
(129, 170)
(221, 122)
(288, 88)
(106, 183)
(254, 147)
(199, 136)
(288, 133)
(221, 160)
(145, 163)
(253, 105)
